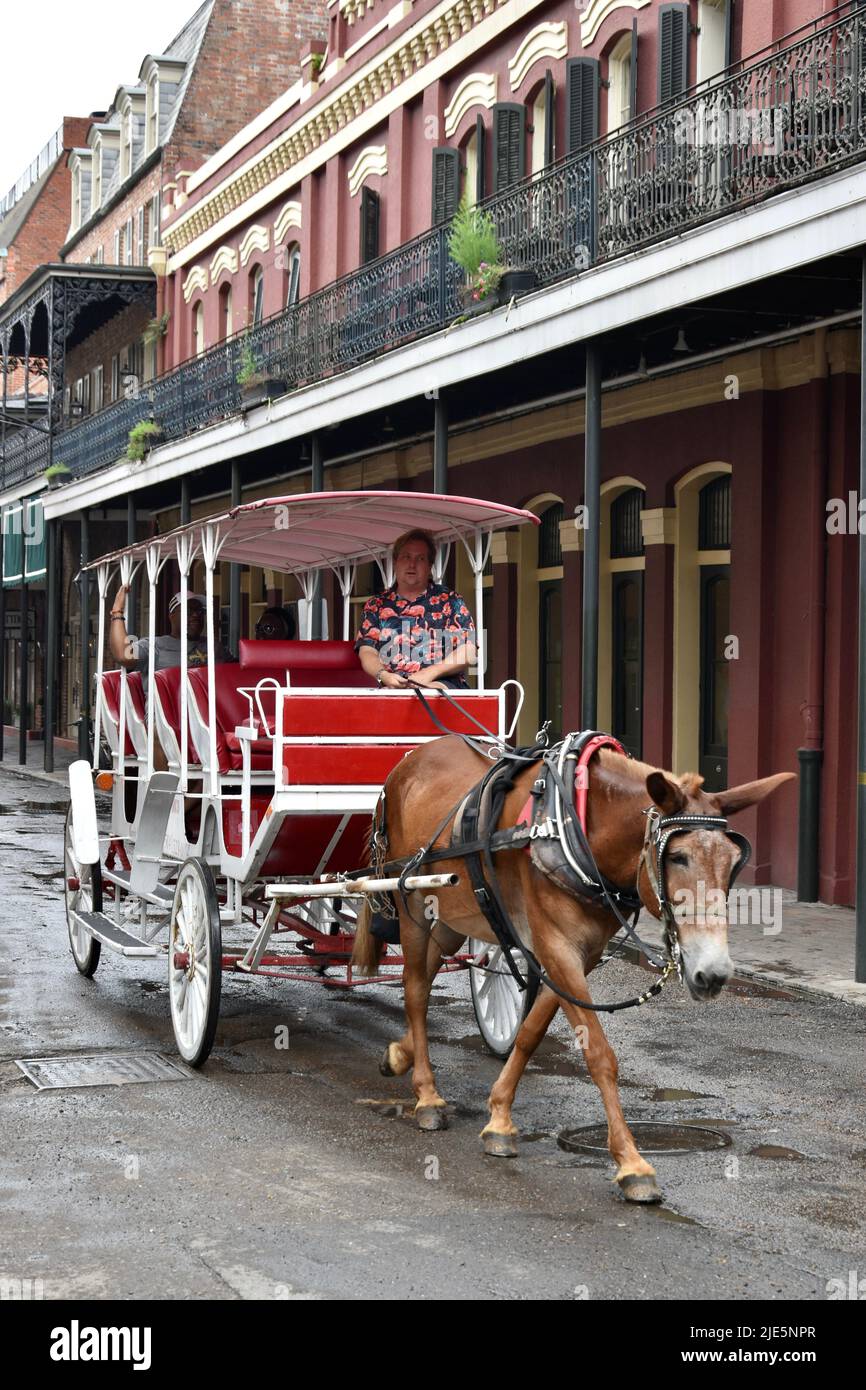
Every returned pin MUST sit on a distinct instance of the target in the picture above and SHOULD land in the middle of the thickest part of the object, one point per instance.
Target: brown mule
(567, 935)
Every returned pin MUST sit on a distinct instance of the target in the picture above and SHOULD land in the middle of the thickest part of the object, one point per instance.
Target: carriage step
(113, 936)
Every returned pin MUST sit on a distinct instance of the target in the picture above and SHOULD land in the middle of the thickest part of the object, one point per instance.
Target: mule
(567, 935)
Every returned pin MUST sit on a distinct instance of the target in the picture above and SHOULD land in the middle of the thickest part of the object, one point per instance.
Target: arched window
(198, 329)
(626, 540)
(225, 311)
(293, 287)
(549, 545)
(619, 91)
(257, 295)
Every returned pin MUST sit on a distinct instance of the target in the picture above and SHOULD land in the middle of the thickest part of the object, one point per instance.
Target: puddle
(776, 1151)
(534, 1137)
(751, 987)
(394, 1109)
(668, 1214)
(149, 987)
(671, 1093)
(651, 1138)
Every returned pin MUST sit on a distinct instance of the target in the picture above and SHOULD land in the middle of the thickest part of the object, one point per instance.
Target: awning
(23, 542)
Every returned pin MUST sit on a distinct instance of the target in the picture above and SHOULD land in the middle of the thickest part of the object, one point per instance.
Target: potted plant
(57, 474)
(515, 281)
(474, 246)
(256, 386)
(142, 438)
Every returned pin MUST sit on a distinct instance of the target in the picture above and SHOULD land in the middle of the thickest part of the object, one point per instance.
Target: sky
(60, 58)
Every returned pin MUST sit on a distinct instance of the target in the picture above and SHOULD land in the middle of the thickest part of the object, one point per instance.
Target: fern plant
(249, 368)
(474, 246)
(141, 438)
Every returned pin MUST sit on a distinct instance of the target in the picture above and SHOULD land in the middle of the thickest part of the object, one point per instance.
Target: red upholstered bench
(232, 708)
(136, 718)
(308, 663)
(166, 712)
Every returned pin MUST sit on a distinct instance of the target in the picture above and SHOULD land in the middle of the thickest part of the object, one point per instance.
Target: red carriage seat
(232, 708)
(308, 663)
(166, 713)
(136, 717)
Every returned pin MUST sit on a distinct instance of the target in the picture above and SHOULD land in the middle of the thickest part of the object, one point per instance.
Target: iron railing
(26, 454)
(791, 117)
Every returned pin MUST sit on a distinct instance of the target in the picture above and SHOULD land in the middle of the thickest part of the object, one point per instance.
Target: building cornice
(439, 42)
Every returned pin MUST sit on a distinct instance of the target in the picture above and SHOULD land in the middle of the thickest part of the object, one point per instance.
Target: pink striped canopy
(322, 529)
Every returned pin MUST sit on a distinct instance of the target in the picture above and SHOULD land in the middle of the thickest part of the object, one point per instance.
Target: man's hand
(120, 599)
(395, 680)
(428, 677)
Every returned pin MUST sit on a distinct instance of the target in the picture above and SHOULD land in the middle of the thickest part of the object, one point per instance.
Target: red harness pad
(581, 778)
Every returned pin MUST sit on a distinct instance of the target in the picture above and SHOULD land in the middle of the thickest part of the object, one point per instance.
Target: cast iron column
(2, 643)
(131, 538)
(51, 631)
(84, 697)
(185, 509)
(23, 682)
(317, 484)
(440, 444)
(591, 542)
(235, 573)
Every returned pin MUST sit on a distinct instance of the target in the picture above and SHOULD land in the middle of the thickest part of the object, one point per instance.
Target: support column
(658, 525)
(52, 631)
(4, 348)
(235, 573)
(2, 643)
(185, 505)
(571, 544)
(84, 699)
(131, 538)
(317, 484)
(440, 444)
(592, 538)
(23, 682)
(860, 937)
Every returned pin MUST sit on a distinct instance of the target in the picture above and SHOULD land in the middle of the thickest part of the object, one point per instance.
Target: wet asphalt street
(296, 1173)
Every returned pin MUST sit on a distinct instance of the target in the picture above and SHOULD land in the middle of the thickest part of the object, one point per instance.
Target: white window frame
(115, 377)
(98, 388)
(711, 40)
(141, 254)
(257, 308)
(151, 138)
(153, 229)
(116, 246)
(619, 91)
(293, 293)
(128, 248)
(198, 329)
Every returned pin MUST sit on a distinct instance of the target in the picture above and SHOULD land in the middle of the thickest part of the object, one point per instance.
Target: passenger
(134, 653)
(276, 625)
(416, 629)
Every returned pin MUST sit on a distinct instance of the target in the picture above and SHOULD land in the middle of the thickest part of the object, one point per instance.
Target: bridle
(659, 832)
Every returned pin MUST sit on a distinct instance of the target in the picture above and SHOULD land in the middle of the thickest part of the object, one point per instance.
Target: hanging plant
(142, 438)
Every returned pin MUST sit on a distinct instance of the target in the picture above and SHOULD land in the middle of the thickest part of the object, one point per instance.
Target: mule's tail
(368, 950)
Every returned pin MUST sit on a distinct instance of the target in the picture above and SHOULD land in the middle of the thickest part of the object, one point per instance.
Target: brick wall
(250, 54)
(43, 231)
(112, 339)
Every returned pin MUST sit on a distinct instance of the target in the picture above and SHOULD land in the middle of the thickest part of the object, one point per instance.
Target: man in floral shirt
(416, 628)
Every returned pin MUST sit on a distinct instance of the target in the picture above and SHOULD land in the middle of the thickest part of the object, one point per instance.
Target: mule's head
(697, 869)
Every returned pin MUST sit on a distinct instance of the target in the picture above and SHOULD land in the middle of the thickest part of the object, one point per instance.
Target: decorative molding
(353, 10)
(372, 160)
(288, 216)
(505, 548)
(478, 89)
(659, 525)
(225, 259)
(196, 280)
(423, 45)
(597, 12)
(257, 239)
(544, 41)
(570, 536)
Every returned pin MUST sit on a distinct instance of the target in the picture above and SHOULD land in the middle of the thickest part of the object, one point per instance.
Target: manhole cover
(650, 1137)
(99, 1069)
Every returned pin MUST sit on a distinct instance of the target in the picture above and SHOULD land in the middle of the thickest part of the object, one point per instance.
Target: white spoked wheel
(195, 961)
(82, 887)
(500, 1006)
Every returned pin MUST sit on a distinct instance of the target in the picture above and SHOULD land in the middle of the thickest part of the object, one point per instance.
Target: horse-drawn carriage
(235, 858)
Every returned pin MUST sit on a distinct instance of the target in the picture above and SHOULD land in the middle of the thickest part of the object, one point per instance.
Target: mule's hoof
(385, 1065)
(639, 1187)
(499, 1145)
(431, 1117)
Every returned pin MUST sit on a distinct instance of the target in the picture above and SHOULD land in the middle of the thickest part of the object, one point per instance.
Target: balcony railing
(25, 455)
(794, 116)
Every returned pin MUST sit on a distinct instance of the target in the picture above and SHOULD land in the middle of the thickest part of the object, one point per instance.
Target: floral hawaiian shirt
(411, 633)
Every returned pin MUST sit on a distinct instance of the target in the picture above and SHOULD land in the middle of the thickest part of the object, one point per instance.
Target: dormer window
(97, 175)
(152, 114)
(126, 143)
(80, 166)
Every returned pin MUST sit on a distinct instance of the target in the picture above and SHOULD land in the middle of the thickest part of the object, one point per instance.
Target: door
(715, 671)
(627, 660)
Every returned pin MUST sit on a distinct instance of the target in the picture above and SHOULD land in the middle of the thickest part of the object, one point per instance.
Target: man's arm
(119, 641)
(460, 637)
(373, 664)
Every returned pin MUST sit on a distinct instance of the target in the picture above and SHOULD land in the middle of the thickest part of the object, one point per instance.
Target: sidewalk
(810, 947)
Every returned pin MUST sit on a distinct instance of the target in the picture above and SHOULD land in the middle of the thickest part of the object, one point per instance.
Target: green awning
(23, 542)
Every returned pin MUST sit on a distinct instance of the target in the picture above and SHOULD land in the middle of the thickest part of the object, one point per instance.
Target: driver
(416, 629)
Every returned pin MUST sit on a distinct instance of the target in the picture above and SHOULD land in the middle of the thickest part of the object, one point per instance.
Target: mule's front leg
(422, 960)
(636, 1177)
(499, 1135)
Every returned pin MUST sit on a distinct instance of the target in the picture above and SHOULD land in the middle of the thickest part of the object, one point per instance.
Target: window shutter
(632, 81)
(480, 171)
(549, 118)
(446, 183)
(369, 225)
(583, 84)
(509, 144)
(673, 51)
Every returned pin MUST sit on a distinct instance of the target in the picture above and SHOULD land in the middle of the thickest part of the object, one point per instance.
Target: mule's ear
(750, 793)
(667, 795)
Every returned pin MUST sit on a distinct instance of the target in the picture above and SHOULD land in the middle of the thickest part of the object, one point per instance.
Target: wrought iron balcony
(25, 455)
(789, 118)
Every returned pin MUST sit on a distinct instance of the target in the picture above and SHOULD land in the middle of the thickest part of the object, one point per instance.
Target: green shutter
(673, 51)
(35, 566)
(509, 144)
(13, 555)
(582, 87)
(446, 183)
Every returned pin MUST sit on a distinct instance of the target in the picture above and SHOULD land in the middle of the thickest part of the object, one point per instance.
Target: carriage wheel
(195, 980)
(82, 887)
(500, 1007)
